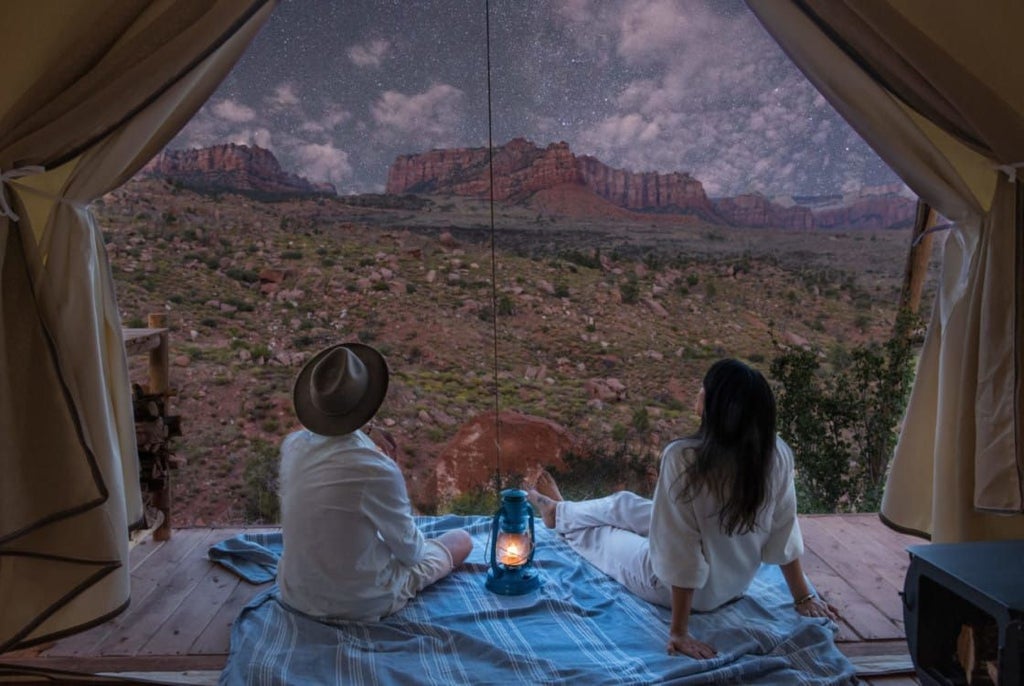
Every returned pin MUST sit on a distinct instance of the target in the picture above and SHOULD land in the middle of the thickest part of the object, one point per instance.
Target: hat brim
(337, 425)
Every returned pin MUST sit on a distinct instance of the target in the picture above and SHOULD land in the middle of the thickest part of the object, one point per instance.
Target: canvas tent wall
(937, 89)
(91, 91)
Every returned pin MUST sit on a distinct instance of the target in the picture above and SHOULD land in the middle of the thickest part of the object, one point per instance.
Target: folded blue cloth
(580, 626)
(251, 556)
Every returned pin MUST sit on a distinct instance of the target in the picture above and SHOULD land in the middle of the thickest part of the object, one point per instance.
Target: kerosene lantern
(511, 546)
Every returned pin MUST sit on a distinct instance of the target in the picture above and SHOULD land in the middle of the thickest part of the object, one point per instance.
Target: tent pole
(917, 264)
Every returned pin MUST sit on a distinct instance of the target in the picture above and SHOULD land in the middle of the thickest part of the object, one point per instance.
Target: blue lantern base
(516, 581)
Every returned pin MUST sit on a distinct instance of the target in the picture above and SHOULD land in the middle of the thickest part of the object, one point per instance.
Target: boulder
(528, 445)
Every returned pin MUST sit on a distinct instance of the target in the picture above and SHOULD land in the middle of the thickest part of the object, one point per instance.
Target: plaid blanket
(580, 626)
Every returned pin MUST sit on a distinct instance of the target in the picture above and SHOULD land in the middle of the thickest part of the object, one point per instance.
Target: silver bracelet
(806, 598)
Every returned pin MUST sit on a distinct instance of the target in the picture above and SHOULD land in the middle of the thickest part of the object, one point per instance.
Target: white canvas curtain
(89, 91)
(937, 89)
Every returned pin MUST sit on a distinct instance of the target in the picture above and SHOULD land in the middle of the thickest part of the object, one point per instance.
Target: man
(352, 550)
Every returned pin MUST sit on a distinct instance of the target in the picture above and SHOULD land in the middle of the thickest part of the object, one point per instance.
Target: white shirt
(349, 535)
(688, 547)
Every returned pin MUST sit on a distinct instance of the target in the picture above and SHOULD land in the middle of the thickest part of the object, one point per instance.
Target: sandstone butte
(523, 171)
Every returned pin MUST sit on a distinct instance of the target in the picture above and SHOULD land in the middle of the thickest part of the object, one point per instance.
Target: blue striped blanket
(580, 627)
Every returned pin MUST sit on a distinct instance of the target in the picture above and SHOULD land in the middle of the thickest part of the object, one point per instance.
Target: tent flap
(102, 87)
(938, 92)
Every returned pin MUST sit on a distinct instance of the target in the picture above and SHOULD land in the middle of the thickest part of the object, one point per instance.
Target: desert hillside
(604, 324)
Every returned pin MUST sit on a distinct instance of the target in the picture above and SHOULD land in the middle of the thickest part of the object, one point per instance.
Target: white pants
(611, 534)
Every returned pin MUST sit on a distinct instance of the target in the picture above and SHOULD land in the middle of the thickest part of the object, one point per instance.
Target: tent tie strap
(1010, 170)
(5, 178)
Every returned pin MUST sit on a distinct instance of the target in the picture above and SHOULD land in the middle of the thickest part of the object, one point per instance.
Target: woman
(725, 502)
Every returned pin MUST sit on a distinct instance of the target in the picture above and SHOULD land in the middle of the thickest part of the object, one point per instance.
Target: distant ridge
(525, 172)
(243, 169)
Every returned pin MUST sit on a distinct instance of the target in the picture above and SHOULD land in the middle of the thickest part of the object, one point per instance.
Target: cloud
(650, 29)
(332, 117)
(285, 95)
(259, 136)
(430, 118)
(712, 94)
(369, 54)
(323, 162)
(233, 111)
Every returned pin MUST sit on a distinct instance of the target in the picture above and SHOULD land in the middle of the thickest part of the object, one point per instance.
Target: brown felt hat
(340, 389)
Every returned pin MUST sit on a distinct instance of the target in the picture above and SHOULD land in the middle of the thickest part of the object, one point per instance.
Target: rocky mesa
(234, 168)
(523, 169)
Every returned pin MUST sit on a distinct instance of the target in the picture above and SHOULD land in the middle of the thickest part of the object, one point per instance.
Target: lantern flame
(513, 550)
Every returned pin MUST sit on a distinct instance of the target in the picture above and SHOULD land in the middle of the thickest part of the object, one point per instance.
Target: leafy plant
(843, 424)
(261, 481)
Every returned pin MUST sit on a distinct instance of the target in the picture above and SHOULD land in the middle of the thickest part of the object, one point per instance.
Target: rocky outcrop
(757, 211)
(233, 168)
(528, 445)
(521, 169)
(869, 212)
(555, 178)
(646, 191)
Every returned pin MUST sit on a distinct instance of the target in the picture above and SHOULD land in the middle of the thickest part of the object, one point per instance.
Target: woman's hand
(684, 644)
(816, 607)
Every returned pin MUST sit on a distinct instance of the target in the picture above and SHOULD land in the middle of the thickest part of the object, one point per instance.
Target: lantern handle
(492, 540)
(533, 538)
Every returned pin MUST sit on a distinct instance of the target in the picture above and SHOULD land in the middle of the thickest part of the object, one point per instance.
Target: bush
(506, 308)
(843, 425)
(261, 482)
(630, 291)
(598, 471)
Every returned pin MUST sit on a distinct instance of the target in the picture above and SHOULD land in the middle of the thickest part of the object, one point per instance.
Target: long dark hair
(735, 444)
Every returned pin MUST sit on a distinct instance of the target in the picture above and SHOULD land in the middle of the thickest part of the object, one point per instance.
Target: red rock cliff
(676, 191)
(522, 169)
(756, 211)
(231, 167)
(869, 212)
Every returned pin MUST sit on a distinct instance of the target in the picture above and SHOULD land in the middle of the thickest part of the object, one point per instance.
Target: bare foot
(544, 505)
(546, 486)
(544, 497)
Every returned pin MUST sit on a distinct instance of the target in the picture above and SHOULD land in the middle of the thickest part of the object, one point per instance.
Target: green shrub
(243, 275)
(261, 481)
(599, 470)
(641, 420)
(477, 501)
(843, 424)
(630, 291)
(506, 308)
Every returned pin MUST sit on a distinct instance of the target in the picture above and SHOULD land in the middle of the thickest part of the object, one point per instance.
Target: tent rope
(494, 261)
(5, 179)
(1010, 170)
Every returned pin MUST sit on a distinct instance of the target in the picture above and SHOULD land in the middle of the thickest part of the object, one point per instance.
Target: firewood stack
(977, 651)
(154, 429)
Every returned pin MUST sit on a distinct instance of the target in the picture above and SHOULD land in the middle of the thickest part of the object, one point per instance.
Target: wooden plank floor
(183, 605)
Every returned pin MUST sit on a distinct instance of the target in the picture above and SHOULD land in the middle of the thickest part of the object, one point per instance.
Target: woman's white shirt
(690, 550)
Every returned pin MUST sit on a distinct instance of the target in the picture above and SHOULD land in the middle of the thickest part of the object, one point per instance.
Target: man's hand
(684, 644)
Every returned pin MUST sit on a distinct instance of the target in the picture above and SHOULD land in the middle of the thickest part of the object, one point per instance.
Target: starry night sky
(338, 89)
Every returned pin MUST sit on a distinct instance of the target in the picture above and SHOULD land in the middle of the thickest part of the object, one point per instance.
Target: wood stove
(963, 610)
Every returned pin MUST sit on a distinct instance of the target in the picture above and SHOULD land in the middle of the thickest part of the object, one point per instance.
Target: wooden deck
(178, 625)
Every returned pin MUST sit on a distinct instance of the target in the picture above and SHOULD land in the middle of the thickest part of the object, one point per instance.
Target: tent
(93, 89)
(937, 89)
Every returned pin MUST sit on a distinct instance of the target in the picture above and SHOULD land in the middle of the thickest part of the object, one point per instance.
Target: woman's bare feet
(546, 486)
(544, 497)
